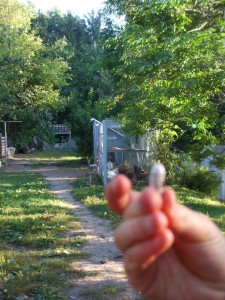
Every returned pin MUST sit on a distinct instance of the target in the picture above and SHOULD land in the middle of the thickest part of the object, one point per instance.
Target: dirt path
(104, 261)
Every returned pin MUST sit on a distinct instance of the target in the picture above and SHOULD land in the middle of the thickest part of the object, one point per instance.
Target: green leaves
(172, 67)
(31, 78)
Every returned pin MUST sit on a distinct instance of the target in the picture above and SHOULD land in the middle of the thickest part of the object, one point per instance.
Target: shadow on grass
(106, 289)
(37, 275)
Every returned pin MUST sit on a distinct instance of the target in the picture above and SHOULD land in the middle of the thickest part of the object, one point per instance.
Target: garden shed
(116, 152)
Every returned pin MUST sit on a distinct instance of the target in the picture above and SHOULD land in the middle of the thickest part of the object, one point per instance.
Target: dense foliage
(31, 79)
(89, 84)
(171, 71)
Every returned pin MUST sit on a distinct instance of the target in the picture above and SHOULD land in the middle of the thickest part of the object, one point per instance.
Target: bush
(174, 164)
(181, 170)
(198, 178)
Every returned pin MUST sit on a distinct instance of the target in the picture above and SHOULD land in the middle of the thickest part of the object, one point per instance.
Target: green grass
(98, 292)
(215, 210)
(36, 253)
(93, 198)
(50, 156)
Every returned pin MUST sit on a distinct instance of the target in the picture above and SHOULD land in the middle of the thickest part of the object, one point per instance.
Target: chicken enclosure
(117, 153)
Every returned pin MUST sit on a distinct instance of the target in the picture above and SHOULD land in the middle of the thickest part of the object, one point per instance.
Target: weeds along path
(105, 277)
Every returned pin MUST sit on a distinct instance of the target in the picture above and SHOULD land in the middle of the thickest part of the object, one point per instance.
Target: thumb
(187, 225)
(118, 194)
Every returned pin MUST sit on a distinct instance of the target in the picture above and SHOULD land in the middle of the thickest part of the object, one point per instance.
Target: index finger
(148, 201)
(118, 193)
(129, 203)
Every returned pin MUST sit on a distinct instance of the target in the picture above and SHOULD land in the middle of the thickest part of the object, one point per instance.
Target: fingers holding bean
(142, 254)
(138, 229)
(147, 202)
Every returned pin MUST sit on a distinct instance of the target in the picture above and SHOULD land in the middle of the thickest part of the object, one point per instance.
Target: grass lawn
(215, 210)
(93, 198)
(35, 251)
(50, 156)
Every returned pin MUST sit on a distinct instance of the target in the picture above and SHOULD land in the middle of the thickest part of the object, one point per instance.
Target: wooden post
(4, 148)
(0, 145)
(5, 128)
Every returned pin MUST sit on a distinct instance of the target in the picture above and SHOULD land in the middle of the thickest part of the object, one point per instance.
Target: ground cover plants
(93, 198)
(36, 253)
(50, 156)
(96, 294)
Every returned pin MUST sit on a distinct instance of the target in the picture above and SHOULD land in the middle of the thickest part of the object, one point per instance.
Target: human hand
(170, 252)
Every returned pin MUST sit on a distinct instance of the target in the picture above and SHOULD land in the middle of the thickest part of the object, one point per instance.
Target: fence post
(1, 150)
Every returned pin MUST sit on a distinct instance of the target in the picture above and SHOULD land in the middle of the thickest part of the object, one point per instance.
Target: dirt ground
(104, 260)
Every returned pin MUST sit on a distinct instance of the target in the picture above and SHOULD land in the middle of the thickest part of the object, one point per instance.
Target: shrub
(198, 178)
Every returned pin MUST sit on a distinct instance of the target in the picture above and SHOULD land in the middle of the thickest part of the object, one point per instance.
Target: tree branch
(199, 28)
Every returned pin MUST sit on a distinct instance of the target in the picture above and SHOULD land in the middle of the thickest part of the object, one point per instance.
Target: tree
(171, 73)
(90, 82)
(31, 78)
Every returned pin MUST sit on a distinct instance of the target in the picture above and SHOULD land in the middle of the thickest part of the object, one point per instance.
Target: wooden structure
(113, 146)
(2, 146)
(62, 133)
(62, 129)
(4, 141)
(93, 171)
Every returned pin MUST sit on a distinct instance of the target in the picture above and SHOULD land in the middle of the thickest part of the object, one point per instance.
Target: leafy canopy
(31, 78)
(171, 71)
